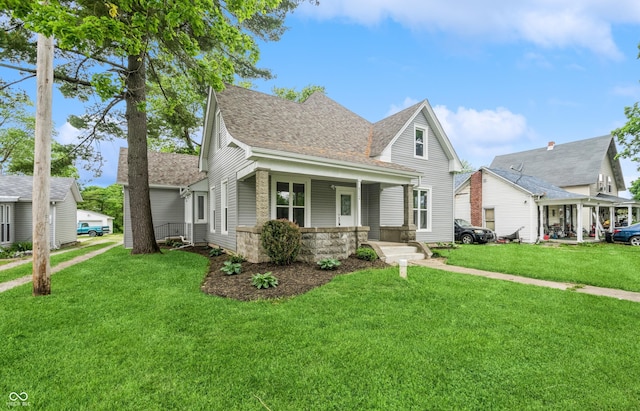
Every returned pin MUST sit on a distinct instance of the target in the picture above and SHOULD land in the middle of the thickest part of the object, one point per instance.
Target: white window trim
(425, 137)
(212, 210)
(275, 179)
(202, 220)
(224, 207)
(429, 228)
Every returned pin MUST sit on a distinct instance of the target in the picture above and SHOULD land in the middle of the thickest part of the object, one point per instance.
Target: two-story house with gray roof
(16, 204)
(559, 191)
(341, 178)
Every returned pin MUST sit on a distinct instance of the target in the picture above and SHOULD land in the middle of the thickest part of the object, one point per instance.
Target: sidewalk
(439, 264)
(23, 280)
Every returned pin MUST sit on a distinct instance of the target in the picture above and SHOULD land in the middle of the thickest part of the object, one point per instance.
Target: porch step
(391, 253)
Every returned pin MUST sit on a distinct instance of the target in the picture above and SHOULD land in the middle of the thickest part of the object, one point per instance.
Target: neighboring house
(561, 191)
(15, 210)
(169, 176)
(342, 179)
(94, 218)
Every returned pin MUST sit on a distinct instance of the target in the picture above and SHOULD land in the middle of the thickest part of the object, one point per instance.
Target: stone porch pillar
(408, 205)
(262, 197)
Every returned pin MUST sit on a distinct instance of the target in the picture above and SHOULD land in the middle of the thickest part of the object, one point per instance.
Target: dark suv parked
(468, 234)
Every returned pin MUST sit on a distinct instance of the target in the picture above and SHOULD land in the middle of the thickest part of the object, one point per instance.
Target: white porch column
(596, 232)
(612, 216)
(359, 203)
(541, 222)
(629, 214)
(579, 223)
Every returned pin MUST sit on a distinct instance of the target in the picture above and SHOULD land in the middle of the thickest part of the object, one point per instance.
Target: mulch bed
(294, 279)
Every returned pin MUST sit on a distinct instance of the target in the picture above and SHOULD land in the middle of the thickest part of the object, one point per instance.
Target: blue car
(630, 234)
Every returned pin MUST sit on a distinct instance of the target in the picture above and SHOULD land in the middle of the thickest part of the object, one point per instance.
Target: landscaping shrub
(281, 241)
(237, 258)
(265, 280)
(214, 252)
(231, 268)
(365, 253)
(329, 263)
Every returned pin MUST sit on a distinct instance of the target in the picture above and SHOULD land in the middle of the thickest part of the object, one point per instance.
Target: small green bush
(365, 253)
(22, 246)
(265, 280)
(231, 268)
(281, 241)
(214, 252)
(237, 258)
(329, 263)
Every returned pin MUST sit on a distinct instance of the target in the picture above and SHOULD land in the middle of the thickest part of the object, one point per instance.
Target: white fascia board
(278, 161)
(9, 199)
(206, 134)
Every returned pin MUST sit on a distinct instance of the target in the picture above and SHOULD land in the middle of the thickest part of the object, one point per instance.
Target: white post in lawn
(402, 264)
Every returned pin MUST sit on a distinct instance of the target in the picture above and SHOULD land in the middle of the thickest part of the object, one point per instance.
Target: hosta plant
(265, 280)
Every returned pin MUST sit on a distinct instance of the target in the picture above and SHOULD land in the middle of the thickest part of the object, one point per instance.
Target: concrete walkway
(439, 264)
(23, 280)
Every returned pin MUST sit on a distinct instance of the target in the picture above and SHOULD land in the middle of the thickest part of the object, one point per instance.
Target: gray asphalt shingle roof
(535, 185)
(569, 164)
(22, 187)
(317, 127)
(165, 169)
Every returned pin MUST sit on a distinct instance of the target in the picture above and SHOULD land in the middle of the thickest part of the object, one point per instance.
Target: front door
(345, 206)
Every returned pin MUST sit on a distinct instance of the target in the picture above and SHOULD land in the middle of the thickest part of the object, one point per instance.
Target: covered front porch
(584, 218)
(336, 212)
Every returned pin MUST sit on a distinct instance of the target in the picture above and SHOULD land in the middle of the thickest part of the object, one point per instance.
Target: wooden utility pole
(42, 167)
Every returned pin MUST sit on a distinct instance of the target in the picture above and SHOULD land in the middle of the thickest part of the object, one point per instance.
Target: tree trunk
(41, 273)
(144, 241)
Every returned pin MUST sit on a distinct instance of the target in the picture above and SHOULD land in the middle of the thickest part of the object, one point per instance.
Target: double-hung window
(212, 210)
(291, 201)
(224, 207)
(420, 142)
(422, 208)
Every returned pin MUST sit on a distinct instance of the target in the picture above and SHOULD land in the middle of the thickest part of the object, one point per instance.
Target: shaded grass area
(142, 336)
(27, 268)
(602, 265)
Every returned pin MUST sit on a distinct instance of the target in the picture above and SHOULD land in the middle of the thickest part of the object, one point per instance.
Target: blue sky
(502, 76)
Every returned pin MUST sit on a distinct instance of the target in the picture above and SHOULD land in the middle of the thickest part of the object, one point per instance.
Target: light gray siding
(435, 175)
(247, 202)
(371, 209)
(223, 165)
(22, 222)
(323, 202)
(65, 220)
(166, 207)
(391, 206)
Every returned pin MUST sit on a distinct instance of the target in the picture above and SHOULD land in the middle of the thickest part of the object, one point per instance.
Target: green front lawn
(56, 258)
(600, 264)
(135, 332)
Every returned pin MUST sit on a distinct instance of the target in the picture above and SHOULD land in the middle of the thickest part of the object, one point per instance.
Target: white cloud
(549, 24)
(67, 134)
(479, 135)
(632, 91)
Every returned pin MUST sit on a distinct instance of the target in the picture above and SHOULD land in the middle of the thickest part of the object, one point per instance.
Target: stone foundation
(317, 243)
(403, 234)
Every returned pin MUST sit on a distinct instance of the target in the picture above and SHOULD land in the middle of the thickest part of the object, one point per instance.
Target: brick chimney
(476, 198)
(551, 145)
